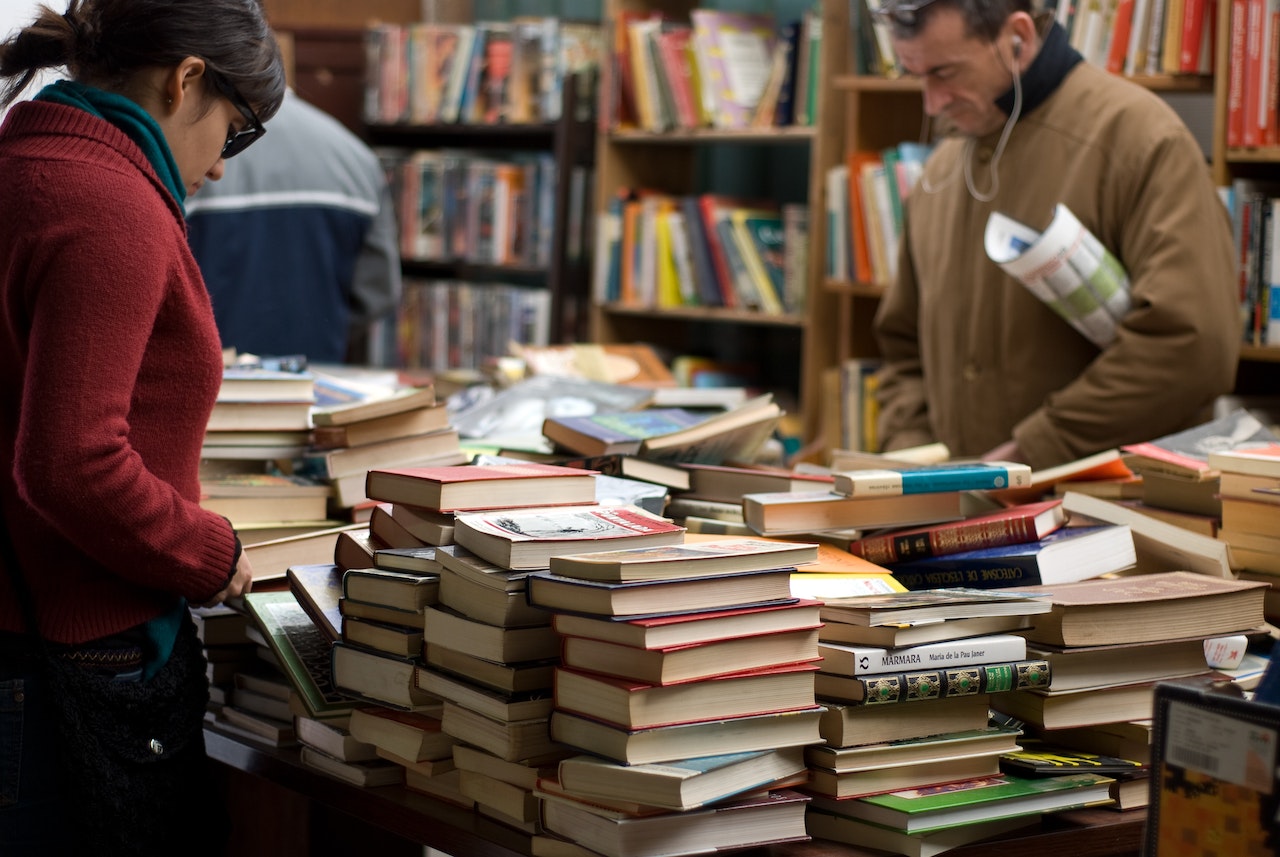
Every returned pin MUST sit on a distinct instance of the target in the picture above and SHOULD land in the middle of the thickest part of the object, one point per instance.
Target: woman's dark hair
(104, 42)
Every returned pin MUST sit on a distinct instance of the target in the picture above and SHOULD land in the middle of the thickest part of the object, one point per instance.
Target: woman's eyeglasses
(238, 141)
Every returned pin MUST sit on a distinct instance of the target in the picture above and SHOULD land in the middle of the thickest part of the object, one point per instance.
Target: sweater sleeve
(117, 385)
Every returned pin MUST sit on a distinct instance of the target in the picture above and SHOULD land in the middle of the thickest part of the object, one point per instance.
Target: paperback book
(1026, 522)
(951, 476)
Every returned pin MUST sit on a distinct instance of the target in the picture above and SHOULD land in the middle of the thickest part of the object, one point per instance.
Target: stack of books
(1249, 491)
(403, 427)
(1109, 641)
(686, 682)
(262, 414)
(867, 499)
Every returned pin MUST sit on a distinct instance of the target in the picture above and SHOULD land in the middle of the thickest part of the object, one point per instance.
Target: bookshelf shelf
(857, 290)
(1261, 353)
(769, 136)
(709, 314)
(1261, 155)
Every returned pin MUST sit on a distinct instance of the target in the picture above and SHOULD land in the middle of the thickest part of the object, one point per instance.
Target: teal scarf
(130, 118)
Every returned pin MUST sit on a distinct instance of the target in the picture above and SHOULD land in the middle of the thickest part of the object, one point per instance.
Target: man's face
(961, 75)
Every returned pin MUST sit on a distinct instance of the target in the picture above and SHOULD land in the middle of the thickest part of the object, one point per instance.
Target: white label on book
(1222, 747)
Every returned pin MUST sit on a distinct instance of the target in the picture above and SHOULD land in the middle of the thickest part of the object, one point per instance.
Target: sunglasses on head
(904, 13)
(238, 141)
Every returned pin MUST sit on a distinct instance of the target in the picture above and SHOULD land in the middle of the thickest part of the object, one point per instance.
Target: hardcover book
(1186, 453)
(727, 483)
(869, 660)
(928, 808)
(976, 476)
(684, 784)
(827, 822)
(1038, 758)
(469, 487)
(399, 401)
(620, 433)
(855, 784)
(920, 685)
(849, 725)
(1025, 522)
(405, 734)
(1063, 556)
(408, 591)
(926, 605)
(687, 740)
(638, 705)
(658, 632)
(377, 677)
(792, 512)
(692, 559)
(1163, 606)
(318, 588)
(983, 741)
(651, 597)
(528, 538)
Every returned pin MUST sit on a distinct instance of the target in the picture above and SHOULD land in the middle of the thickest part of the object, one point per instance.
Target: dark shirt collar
(1046, 72)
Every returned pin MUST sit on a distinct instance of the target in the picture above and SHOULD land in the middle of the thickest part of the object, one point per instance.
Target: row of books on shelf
(489, 72)
(1253, 74)
(662, 250)
(864, 198)
(1252, 205)
(452, 324)
(487, 209)
(720, 69)
(1130, 37)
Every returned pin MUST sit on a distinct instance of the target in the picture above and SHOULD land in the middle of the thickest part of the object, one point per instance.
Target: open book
(1065, 266)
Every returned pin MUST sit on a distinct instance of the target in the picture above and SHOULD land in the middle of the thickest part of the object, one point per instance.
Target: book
(332, 738)
(684, 784)
(675, 477)
(355, 548)
(636, 705)
(260, 384)
(776, 817)
(367, 773)
(419, 560)
(490, 703)
(969, 476)
(792, 512)
(1078, 667)
(659, 632)
(394, 639)
(470, 487)
(301, 650)
(257, 497)
(1161, 606)
(514, 677)
(681, 741)
(1107, 464)
(689, 662)
(648, 597)
(487, 604)
(1213, 772)
(984, 741)
(1039, 758)
(260, 416)
(734, 50)
(1017, 524)
(1158, 545)
(916, 633)
(220, 625)
(728, 483)
(733, 435)
(420, 420)
(366, 405)
(271, 559)
(445, 627)
(528, 538)
(687, 560)
(318, 588)
(869, 660)
(512, 740)
(377, 677)
(427, 525)
(939, 683)
(1067, 554)
(845, 724)
(621, 433)
(408, 735)
(1186, 453)
(926, 809)
(1045, 710)
(827, 822)
(932, 605)
(407, 591)
(854, 784)
(396, 452)
(1259, 461)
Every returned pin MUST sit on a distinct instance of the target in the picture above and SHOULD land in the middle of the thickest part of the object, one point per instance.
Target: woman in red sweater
(109, 366)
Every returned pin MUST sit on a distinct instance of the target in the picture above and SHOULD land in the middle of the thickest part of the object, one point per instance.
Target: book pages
(1065, 266)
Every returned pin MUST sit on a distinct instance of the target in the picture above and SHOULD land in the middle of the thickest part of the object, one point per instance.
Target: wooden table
(287, 790)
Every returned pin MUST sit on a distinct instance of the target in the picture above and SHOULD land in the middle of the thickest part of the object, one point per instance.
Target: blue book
(622, 432)
(1063, 556)
(928, 479)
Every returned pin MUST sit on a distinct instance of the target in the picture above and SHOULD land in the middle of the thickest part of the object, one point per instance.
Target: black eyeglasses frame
(238, 141)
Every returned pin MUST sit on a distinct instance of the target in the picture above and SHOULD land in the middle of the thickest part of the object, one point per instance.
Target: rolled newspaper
(1065, 266)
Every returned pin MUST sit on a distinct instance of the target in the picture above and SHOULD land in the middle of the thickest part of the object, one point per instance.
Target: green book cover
(302, 650)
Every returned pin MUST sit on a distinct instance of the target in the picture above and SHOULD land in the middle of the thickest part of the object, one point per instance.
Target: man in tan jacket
(972, 357)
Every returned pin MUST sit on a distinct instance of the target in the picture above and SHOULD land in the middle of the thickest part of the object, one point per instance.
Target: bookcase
(564, 151)
(788, 349)
(869, 113)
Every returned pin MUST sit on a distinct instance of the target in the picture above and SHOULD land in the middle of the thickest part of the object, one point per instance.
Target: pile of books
(678, 709)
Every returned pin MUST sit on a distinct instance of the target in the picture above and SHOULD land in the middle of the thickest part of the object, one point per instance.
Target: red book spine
(1193, 12)
(1255, 89)
(1270, 131)
(1236, 75)
(1121, 28)
(941, 541)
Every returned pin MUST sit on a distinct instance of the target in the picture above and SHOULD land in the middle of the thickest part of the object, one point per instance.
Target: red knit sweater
(109, 366)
